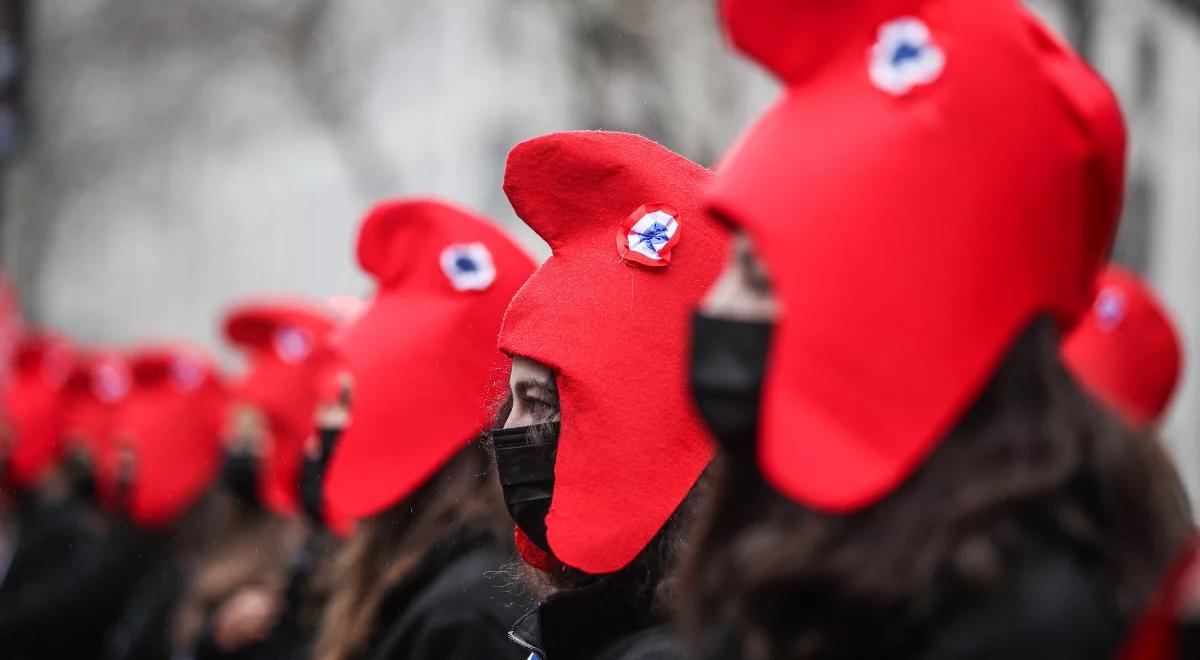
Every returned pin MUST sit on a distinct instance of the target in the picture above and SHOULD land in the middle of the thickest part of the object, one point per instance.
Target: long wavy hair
(1035, 461)
(462, 497)
(229, 546)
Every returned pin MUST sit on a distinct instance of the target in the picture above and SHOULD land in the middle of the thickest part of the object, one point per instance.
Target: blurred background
(162, 159)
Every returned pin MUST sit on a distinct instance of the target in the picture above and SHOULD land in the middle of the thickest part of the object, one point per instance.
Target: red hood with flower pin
(33, 407)
(289, 360)
(936, 174)
(612, 323)
(422, 355)
(1126, 350)
(169, 429)
(99, 384)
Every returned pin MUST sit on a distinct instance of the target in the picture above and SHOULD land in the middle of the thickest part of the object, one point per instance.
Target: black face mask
(77, 468)
(239, 476)
(312, 475)
(123, 499)
(729, 359)
(525, 463)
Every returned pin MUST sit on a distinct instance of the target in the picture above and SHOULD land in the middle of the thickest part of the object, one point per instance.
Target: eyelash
(537, 404)
(757, 281)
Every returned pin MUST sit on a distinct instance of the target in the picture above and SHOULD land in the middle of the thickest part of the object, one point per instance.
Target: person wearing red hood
(163, 459)
(907, 469)
(600, 447)
(64, 424)
(289, 359)
(47, 521)
(97, 387)
(419, 578)
(1126, 350)
(258, 610)
(112, 596)
(237, 593)
(32, 411)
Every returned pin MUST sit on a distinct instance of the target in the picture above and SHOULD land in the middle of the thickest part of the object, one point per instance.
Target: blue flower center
(464, 264)
(905, 52)
(655, 234)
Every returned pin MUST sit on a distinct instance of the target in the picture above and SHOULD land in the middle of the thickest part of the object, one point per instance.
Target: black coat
(454, 606)
(65, 610)
(602, 621)
(143, 631)
(1053, 609)
(46, 534)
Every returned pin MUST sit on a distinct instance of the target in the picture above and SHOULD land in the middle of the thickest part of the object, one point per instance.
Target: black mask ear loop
(240, 475)
(126, 474)
(525, 464)
(78, 469)
(312, 474)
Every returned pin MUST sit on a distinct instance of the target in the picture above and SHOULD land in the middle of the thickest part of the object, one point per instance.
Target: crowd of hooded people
(870, 389)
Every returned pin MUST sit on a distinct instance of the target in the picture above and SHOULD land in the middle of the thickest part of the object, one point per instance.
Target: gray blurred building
(181, 155)
(178, 156)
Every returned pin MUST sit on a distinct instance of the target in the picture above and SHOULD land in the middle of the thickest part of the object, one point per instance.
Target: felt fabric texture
(170, 427)
(422, 356)
(913, 238)
(32, 407)
(631, 444)
(1126, 350)
(289, 359)
(82, 410)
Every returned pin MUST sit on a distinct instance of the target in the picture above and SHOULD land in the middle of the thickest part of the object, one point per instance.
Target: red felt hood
(33, 407)
(422, 355)
(286, 347)
(615, 332)
(99, 385)
(936, 174)
(170, 427)
(1126, 350)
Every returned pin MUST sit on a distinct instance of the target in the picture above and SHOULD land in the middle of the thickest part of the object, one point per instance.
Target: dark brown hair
(233, 547)
(462, 497)
(1033, 462)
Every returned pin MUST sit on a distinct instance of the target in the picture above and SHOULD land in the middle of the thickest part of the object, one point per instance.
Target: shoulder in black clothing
(603, 620)
(66, 612)
(46, 532)
(658, 643)
(461, 612)
(1055, 610)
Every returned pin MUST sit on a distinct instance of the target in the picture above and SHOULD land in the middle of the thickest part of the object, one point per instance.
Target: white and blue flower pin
(468, 266)
(648, 234)
(293, 344)
(1109, 308)
(189, 373)
(905, 56)
(110, 382)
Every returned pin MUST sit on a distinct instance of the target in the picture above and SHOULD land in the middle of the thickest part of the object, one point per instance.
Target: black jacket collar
(580, 623)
